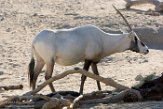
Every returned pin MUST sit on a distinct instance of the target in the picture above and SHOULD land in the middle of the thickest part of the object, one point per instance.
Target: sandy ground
(21, 20)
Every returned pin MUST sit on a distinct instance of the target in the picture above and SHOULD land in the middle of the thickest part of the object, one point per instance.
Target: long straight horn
(123, 18)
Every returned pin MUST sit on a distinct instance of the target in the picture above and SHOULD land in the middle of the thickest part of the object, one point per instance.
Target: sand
(21, 20)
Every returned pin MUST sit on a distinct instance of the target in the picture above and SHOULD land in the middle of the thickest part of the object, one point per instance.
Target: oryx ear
(131, 34)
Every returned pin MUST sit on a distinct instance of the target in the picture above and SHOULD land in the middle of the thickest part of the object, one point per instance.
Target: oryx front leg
(83, 78)
(95, 71)
(48, 75)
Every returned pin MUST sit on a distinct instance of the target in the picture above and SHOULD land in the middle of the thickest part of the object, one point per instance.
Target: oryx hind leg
(39, 65)
(49, 71)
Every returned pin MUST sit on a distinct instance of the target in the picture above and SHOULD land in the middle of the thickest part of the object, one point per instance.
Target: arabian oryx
(70, 46)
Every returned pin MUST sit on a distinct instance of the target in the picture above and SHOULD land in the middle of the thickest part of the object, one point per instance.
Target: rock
(158, 4)
(138, 77)
(1, 18)
(144, 61)
(1, 72)
(152, 13)
(35, 14)
(22, 78)
(8, 30)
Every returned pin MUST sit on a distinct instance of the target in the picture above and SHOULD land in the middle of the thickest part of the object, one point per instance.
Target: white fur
(70, 46)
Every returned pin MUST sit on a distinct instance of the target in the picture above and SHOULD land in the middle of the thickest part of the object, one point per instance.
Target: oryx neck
(114, 43)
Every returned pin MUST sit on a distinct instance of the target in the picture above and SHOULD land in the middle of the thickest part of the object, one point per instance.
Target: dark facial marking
(142, 44)
(134, 45)
(136, 41)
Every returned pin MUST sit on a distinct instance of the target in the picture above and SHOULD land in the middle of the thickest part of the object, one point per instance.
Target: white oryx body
(71, 46)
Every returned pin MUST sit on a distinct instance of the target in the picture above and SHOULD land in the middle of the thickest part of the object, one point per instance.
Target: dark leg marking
(48, 74)
(95, 71)
(83, 77)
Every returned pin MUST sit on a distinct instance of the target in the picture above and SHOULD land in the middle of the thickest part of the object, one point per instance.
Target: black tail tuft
(31, 71)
